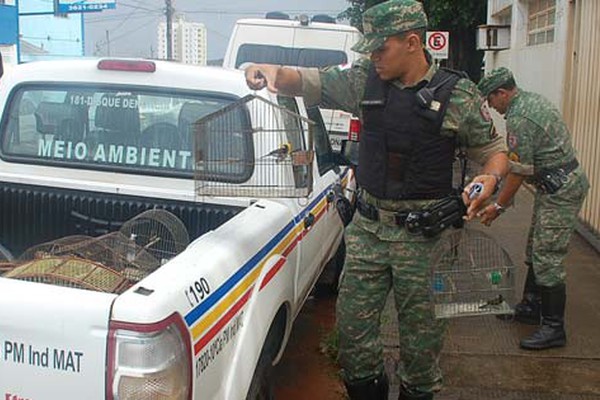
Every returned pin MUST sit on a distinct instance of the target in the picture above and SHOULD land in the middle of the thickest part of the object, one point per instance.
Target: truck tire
(261, 387)
(331, 277)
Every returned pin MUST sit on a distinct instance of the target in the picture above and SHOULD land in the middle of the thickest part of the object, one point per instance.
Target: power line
(119, 17)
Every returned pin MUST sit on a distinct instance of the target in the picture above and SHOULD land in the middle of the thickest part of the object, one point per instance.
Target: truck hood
(52, 341)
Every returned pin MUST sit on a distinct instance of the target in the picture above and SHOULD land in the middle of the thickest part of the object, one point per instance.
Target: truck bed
(32, 215)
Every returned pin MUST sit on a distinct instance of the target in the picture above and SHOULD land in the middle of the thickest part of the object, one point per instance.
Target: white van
(300, 42)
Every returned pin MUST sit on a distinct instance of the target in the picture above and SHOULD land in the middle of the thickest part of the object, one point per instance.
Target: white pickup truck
(88, 145)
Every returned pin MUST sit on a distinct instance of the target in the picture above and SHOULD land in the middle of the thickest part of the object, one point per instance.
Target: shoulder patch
(512, 140)
(485, 111)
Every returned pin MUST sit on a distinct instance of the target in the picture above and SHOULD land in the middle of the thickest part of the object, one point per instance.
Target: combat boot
(406, 394)
(529, 310)
(373, 388)
(552, 331)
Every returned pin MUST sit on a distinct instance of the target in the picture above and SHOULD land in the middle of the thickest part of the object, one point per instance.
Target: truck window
(301, 57)
(141, 131)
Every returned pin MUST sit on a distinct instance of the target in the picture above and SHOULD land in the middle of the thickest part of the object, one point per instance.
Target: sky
(131, 27)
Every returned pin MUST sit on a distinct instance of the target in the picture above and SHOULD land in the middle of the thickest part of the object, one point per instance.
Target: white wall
(539, 68)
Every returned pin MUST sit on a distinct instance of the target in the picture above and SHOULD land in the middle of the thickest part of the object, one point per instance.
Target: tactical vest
(402, 154)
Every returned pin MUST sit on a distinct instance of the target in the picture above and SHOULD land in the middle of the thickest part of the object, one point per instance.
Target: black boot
(373, 388)
(406, 394)
(552, 331)
(528, 311)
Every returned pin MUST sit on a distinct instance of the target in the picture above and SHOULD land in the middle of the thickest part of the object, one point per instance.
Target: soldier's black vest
(402, 154)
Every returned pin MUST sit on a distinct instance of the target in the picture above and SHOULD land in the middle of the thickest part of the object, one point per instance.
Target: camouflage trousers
(379, 259)
(552, 224)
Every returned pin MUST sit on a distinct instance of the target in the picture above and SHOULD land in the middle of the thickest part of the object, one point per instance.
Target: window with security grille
(541, 19)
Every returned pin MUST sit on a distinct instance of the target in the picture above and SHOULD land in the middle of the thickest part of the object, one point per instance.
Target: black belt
(373, 213)
(550, 180)
(565, 169)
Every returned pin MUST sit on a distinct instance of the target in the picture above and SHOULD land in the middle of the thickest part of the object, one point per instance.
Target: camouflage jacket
(537, 136)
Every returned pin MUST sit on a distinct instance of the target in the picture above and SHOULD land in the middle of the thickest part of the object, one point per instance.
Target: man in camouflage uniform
(413, 115)
(541, 153)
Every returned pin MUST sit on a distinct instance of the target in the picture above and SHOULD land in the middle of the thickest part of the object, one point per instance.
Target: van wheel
(331, 277)
(261, 387)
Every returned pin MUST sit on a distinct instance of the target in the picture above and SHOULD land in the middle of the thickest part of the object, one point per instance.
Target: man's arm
(510, 188)
(277, 79)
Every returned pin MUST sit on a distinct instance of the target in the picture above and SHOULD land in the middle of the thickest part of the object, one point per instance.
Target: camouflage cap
(494, 80)
(388, 19)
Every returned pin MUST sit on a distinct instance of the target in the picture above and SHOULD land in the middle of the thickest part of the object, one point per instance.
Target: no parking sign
(438, 43)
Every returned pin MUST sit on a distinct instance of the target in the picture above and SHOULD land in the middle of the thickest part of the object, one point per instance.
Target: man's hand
(259, 76)
(475, 203)
(489, 214)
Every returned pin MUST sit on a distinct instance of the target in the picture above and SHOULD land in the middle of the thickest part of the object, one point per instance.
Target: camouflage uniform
(381, 255)
(538, 139)
(541, 151)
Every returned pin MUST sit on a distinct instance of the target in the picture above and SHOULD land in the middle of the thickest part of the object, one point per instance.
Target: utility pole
(169, 14)
(107, 43)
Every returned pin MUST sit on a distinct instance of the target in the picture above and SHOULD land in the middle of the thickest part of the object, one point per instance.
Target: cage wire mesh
(471, 275)
(109, 263)
(253, 147)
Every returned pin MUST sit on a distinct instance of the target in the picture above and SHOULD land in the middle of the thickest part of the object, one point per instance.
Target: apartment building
(189, 43)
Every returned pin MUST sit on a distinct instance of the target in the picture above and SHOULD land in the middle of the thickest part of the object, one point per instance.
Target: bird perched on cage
(280, 153)
(496, 301)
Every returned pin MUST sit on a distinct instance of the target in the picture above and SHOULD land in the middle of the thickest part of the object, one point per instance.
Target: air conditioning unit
(493, 37)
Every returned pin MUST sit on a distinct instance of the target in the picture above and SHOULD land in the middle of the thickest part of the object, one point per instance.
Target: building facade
(553, 50)
(189, 42)
(9, 22)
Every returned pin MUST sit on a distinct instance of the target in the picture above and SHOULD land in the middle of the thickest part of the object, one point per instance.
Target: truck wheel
(331, 277)
(261, 387)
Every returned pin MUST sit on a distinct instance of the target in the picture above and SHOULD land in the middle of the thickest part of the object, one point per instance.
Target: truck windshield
(116, 128)
(300, 57)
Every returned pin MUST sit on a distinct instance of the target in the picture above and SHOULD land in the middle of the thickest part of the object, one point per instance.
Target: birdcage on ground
(254, 147)
(110, 263)
(471, 275)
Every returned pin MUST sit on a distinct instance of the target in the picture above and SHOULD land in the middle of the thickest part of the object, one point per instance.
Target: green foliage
(442, 14)
(455, 14)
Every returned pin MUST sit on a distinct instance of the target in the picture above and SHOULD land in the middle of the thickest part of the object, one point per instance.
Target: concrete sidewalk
(482, 360)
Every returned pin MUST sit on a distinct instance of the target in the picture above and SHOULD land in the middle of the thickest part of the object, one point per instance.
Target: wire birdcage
(109, 263)
(471, 275)
(254, 147)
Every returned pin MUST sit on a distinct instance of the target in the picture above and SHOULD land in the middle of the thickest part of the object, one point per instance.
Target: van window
(117, 128)
(270, 54)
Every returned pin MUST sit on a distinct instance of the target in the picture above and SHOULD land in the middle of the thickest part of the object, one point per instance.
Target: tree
(459, 17)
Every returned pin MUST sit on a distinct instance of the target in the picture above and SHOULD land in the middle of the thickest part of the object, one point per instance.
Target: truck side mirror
(348, 154)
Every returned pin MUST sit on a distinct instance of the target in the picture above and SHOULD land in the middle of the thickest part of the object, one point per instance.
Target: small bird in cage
(280, 153)
(496, 301)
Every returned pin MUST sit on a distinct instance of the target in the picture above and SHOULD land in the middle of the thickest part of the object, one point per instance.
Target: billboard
(74, 6)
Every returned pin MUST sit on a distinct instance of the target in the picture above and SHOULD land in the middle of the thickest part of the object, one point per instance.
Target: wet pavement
(481, 359)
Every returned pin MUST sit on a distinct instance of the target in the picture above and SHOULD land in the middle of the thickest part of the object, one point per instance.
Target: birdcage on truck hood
(256, 148)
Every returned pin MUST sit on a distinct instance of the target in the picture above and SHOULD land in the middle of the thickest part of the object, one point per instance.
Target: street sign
(438, 43)
(75, 6)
